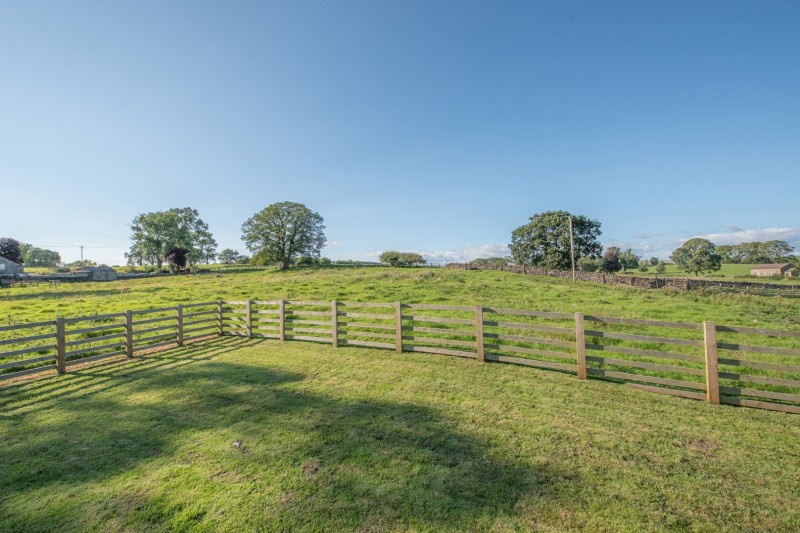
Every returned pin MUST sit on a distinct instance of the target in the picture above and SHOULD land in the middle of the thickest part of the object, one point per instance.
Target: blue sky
(429, 126)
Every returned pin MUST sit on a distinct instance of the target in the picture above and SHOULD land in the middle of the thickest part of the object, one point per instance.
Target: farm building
(99, 273)
(9, 268)
(781, 269)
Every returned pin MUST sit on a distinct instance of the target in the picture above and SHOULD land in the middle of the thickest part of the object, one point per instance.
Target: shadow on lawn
(367, 465)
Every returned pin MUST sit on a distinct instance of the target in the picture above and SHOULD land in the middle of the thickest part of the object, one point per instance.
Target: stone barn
(780, 269)
(99, 273)
(9, 268)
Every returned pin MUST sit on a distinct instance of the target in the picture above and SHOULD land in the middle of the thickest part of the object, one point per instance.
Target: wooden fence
(743, 366)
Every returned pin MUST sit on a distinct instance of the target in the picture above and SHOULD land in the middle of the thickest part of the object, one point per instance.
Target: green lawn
(44, 302)
(364, 440)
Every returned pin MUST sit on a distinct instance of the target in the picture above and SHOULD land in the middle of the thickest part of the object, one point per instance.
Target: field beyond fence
(743, 366)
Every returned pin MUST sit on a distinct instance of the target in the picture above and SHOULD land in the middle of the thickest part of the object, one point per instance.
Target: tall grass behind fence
(720, 364)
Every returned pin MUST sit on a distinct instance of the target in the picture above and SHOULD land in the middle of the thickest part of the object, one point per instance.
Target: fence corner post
(249, 310)
(61, 345)
(580, 345)
(282, 319)
(480, 355)
(128, 334)
(712, 370)
(179, 318)
(335, 323)
(398, 327)
(219, 318)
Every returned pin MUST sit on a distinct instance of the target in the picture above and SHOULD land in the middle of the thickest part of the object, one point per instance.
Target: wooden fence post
(712, 372)
(249, 310)
(398, 327)
(335, 323)
(580, 345)
(179, 318)
(480, 356)
(61, 345)
(282, 319)
(129, 334)
(219, 318)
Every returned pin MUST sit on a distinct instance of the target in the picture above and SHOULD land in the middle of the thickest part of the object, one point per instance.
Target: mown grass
(44, 302)
(364, 440)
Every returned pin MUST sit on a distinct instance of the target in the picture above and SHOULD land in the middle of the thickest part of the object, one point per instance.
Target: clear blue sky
(430, 126)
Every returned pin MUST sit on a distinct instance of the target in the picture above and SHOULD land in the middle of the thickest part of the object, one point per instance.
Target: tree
(587, 264)
(628, 260)
(697, 256)
(545, 240)
(654, 261)
(611, 262)
(390, 257)
(491, 262)
(661, 268)
(229, 256)
(156, 233)
(11, 250)
(282, 231)
(39, 257)
(778, 251)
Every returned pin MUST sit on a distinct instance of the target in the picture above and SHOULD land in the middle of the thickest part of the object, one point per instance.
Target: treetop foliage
(697, 256)
(545, 240)
(11, 250)
(154, 234)
(283, 231)
(394, 258)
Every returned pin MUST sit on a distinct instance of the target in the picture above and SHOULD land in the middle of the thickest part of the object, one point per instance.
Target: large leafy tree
(229, 256)
(154, 234)
(544, 240)
(283, 231)
(39, 257)
(11, 249)
(697, 256)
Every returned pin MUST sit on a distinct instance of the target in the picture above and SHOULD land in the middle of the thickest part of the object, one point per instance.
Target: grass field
(43, 302)
(729, 272)
(364, 440)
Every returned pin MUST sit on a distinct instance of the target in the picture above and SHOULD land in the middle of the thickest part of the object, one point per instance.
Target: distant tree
(411, 259)
(39, 257)
(629, 260)
(661, 268)
(283, 231)
(394, 258)
(752, 252)
(81, 264)
(697, 256)
(587, 264)
(654, 261)
(177, 258)
(727, 253)
(11, 250)
(324, 261)
(611, 262)
(390, 257)
(778, 251)
(545, 240)
(229, 256)
(493, 262)
(643, 265)
(156, 233)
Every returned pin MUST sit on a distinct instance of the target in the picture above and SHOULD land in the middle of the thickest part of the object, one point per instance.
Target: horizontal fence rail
(745, 366)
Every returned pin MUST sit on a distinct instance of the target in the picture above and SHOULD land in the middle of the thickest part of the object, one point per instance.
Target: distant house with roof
(9, 268)
(778, 269)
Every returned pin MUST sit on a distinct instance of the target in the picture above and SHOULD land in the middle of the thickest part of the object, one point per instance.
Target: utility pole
(572, 249)
(82, 246)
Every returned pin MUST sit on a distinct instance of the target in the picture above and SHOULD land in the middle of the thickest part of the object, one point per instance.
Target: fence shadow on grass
(331, 463)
